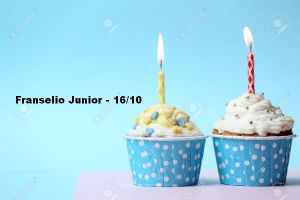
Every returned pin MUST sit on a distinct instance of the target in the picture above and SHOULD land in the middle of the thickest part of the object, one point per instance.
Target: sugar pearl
(149, 131)
(180, 122)
(154, 115)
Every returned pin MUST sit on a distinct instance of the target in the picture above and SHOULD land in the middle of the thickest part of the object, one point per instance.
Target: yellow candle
(161, 76)
(161, 87)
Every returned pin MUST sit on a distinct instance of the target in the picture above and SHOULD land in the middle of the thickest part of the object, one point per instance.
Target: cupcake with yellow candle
(165, 147)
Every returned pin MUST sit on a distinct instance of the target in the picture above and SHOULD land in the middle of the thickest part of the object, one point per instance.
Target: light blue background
(68, 48)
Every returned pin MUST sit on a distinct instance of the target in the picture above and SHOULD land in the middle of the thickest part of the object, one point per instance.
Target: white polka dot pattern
(165, 163)
(252, 162)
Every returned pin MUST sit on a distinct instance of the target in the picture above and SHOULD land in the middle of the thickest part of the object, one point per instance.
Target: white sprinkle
(278, 175)
(242, 147)
(280, 151)
(141, 143)
(166, 179)
(226, 161)
(234, 148)
(144, 154)
(149, 164)
(223, 165)
(166, 163)
(180, 152)
(261, 180)
(156, 145)
(219, 154)
(178, 177)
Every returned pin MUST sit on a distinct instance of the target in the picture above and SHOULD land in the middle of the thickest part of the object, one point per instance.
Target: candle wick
(251, 47)
(161, 64)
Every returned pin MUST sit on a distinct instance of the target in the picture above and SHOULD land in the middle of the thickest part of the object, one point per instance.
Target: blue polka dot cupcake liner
(165, 162)
(252, 161)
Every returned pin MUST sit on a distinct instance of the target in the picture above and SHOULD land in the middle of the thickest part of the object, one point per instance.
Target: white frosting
(250, 114)
(160, 131)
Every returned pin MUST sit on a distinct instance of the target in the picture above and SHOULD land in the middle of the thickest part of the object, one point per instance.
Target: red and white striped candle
(251, 86)
(250, 58)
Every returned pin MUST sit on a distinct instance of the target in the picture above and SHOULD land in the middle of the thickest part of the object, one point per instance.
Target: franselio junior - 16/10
(78, 100)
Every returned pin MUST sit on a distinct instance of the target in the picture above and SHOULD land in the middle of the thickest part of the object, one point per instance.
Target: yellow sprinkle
(166, 114)
(137, 120)
(164, 122)
(189, 126)
(146, 110)
(180, 115)
(176, 129)
(147, 120)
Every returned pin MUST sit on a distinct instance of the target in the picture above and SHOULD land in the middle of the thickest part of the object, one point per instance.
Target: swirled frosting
(253, 114)
(162, 120)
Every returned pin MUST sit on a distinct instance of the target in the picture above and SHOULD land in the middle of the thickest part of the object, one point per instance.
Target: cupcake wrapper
(165, 163)
(252, 162)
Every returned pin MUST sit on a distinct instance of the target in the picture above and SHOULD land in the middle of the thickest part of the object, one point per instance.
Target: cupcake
(252, 142)
(165, 148)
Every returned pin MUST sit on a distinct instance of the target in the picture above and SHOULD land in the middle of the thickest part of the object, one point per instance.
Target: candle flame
(160, 50)
(248, 37)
